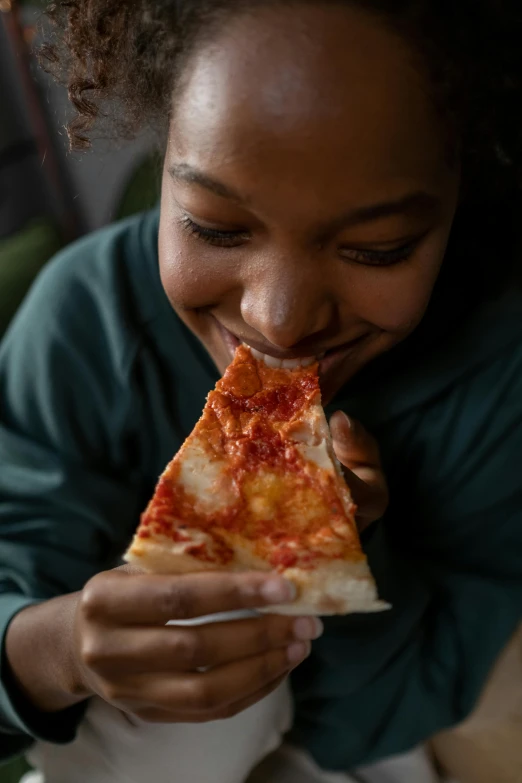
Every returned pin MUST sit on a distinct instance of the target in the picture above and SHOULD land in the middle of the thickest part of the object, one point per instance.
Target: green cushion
(12, 772)
(21, 258)
(142, 190)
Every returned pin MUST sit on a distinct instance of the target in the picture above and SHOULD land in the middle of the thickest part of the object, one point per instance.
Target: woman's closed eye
(369, 257)
(238, 237)
(214, 236)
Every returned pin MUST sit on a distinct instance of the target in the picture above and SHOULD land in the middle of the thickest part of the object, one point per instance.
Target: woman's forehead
(327, 91)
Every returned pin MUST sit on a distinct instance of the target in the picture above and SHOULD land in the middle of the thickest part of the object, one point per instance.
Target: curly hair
(131, 53)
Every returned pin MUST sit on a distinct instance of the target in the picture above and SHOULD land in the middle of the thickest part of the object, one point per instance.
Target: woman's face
(307, 192)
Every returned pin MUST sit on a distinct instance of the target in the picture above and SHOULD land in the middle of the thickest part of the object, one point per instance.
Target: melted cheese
(263, 494)
(319, 455)
(205, 478)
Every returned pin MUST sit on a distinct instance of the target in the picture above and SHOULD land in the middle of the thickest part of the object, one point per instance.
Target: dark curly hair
(131, 52)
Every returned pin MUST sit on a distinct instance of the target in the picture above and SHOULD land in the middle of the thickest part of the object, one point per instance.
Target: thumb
(353, 445)
(358, 452)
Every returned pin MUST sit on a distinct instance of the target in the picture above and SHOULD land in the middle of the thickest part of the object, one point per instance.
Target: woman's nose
(287, 308)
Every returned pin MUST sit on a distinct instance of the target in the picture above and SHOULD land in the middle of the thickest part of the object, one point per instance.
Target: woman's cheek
(396, 298)
(189, 280)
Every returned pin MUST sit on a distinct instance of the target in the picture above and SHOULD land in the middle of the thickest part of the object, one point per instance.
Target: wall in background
(97, 178)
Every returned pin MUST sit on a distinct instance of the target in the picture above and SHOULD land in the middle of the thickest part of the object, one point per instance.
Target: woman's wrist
(40, 654)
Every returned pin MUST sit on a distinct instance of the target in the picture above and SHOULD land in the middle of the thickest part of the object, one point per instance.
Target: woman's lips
(335, 357)
(327, 360)
(231, 341)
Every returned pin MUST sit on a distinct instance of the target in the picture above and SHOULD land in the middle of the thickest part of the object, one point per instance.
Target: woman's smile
(329, 359)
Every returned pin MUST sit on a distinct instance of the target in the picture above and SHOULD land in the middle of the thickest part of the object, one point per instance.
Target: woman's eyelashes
(238, 237)
(379, 257)
(214, 236)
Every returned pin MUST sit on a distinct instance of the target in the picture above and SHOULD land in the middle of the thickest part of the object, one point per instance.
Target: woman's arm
(67, 508)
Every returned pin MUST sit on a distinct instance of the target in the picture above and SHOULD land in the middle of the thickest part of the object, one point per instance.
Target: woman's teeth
(285, 364)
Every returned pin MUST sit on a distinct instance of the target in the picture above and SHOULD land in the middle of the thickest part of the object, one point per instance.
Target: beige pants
(485, 749)
(112, 747)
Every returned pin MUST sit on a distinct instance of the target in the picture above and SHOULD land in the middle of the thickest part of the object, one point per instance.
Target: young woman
(340, 181)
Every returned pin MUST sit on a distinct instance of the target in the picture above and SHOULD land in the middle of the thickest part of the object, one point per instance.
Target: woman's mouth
(286, 364)
(327, 360)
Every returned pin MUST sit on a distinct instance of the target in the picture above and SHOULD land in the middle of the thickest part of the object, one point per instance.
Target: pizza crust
(332, 587)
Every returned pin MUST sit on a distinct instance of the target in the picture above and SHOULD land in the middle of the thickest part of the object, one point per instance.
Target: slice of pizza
(257, 486)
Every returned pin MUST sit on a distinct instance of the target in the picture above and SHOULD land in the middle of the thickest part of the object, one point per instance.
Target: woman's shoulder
(104, 262)
(102, 287)
(478, 355)
(456, 434)
(481, 355)
(96, 337)
(483, 351)
(453, 459)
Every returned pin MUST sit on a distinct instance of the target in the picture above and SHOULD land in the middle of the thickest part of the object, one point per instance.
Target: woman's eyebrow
(183, 172)
(416, 203)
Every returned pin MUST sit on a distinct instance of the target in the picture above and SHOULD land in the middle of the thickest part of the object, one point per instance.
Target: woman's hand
(359, 453)
(112, 640)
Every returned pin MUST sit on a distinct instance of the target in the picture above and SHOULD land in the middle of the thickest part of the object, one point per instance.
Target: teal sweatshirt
(100, 383)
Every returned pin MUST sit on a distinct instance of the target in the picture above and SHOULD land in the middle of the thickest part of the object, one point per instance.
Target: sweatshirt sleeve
(449, 557)
(68, 497)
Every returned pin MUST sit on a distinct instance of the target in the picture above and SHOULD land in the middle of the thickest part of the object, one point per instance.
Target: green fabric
(21, 258)
(101, 388)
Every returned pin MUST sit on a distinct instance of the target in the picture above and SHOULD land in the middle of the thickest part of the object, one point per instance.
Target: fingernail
(350, 422)
(278, 591)
(298, 651)
(308, 628)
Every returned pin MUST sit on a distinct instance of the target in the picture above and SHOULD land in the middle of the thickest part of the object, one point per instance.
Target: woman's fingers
(126, 654)
(154, 715)
(358, 452)
(202, 694)
(129, 599)
(171, 648)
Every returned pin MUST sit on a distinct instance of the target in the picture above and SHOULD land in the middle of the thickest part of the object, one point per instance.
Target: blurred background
(49, 196)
